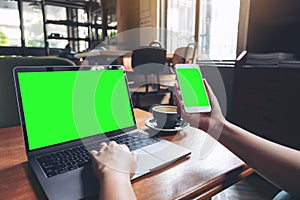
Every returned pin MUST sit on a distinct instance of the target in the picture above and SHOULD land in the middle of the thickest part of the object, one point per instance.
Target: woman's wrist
(115, 185)
(227, 131)
(113, 174)
(216, 127)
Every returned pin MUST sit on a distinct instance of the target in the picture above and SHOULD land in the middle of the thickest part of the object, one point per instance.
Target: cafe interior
(247, 50)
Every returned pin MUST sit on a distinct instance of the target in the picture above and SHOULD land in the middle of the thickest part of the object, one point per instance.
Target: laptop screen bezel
(18, 69)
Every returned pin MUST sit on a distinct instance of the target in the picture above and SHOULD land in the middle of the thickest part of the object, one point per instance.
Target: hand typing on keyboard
(114, 157)
(114, 165)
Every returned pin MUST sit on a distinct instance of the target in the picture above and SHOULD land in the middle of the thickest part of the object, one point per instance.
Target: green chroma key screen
(61, 106)
(192, 87)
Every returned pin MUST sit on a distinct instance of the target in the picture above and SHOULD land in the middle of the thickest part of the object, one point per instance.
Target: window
(180, 23)
(83, 33)
(56, 31)
(79, 24)
(100, 35)
(33, 24)
(10, 32)
(82, 16)
(218, 29)
(55, 13)
(83, 45)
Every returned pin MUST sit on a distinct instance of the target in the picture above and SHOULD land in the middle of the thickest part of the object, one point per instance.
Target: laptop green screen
(61, 106)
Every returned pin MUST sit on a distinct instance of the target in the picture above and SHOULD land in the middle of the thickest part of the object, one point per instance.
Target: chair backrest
(148, 60)
(9, 114)
(156, 43)
(184, 55)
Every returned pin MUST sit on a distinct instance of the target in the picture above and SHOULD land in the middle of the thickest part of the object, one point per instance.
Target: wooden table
(193, 177)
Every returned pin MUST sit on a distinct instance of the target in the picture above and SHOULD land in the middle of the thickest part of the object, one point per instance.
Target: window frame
(73, 36)
(243, 22)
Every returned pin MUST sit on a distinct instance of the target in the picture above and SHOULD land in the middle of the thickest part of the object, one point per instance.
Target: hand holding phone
(193, 92)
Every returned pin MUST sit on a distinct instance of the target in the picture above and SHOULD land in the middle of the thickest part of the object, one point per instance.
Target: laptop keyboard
(72, 158)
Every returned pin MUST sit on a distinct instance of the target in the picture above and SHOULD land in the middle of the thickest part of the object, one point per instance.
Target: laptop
(66, 112)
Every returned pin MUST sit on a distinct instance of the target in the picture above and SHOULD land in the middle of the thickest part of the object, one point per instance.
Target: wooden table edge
(206, 191)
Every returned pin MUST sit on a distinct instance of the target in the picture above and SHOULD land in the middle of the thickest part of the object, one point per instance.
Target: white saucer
(180, 125)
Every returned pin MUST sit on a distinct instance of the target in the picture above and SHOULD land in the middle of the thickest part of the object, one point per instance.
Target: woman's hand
(114, 159)
(114, 166)
(208, 122)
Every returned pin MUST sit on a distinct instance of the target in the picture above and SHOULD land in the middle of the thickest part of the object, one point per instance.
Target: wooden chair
(148, 62)
(184, 55)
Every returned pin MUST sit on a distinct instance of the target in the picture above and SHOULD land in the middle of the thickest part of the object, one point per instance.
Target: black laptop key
(59, 158)
(50, 173)
(47, 162)
(72, 167)
(61, 165)
(82, 164)
(132, 147)
(71, 163)
(88, 160)
(45, 158)
(50, 166)
(135, 140)
(71, 158)
(61, 170)
(62, 162)
(79, 160)
(67, 156)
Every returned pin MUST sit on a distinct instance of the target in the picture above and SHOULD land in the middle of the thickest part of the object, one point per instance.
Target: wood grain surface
(197, 176)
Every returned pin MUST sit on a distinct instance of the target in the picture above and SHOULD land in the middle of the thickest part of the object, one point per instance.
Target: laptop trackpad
(146, 162)
(166, 151)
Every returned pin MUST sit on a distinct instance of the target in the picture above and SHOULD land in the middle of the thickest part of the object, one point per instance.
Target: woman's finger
(124, 147)
(94, 153)
(102, 146)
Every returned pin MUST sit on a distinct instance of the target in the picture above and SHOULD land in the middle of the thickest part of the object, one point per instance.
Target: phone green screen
(61, 106)
(192, 87)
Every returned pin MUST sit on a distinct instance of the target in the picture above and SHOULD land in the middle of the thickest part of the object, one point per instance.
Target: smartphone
(194, 96)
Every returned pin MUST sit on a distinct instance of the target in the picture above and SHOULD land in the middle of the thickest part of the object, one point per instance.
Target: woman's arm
(277, 163)
(114, 166)
(115, 186)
